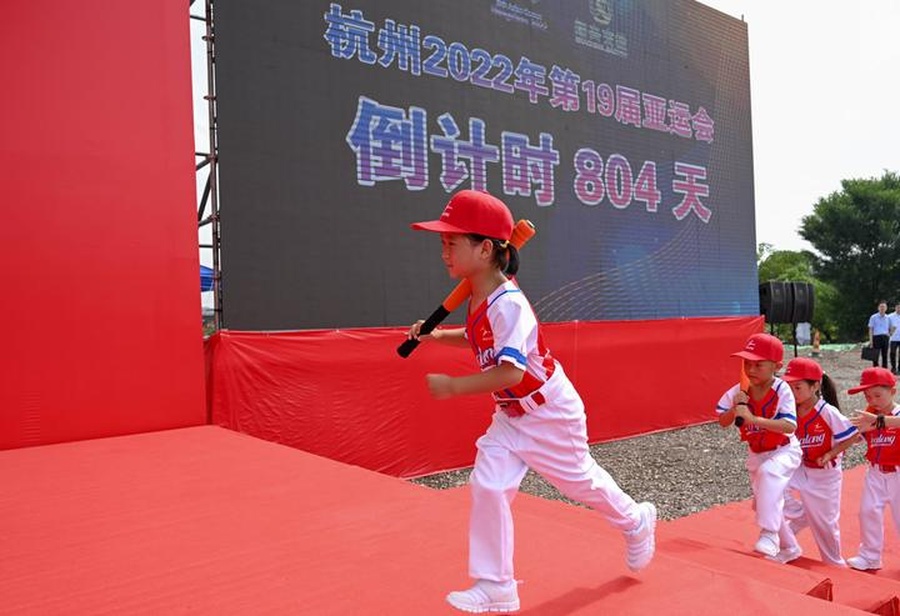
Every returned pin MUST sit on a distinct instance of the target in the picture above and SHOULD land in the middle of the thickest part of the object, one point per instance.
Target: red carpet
(207, 521)
(727, 533)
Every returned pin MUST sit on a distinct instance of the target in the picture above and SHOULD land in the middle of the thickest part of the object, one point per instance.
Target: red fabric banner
(347, 395)
(101, 312)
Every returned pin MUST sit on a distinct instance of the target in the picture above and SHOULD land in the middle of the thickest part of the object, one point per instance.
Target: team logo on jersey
(812, 440)
(883, 440)
(486, 357)
(483, 342)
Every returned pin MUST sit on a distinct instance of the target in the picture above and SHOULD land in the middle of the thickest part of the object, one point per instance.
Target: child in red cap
(880, 426)
(824, 434)
(538, 420)
(766, 416)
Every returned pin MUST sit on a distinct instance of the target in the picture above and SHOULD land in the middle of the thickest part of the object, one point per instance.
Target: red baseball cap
(873, 377)
(472, 211)
(802, 369)
(762, 347)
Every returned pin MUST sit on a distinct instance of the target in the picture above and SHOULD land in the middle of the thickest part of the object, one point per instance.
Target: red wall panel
(100, 310)
(347, 395)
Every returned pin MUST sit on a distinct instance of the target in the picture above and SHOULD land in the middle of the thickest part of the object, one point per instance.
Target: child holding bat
(539, 420)
(768, 420)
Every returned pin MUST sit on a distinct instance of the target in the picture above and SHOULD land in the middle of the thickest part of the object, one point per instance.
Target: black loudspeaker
(776, 301)
(804, 301)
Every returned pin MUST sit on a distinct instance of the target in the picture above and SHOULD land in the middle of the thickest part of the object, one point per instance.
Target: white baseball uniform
(773, 457)
(880, 489)
(539, 424)
(818, 487)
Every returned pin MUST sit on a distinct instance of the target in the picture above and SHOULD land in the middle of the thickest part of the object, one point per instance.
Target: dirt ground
(691, 469)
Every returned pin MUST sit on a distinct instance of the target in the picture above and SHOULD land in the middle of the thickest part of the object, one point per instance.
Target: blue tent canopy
(206, 278)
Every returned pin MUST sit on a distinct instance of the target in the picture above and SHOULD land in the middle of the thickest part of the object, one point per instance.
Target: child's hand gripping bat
(522, 232)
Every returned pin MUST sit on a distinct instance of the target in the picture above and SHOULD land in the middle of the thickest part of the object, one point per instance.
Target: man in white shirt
(880, 334)
(894, 319)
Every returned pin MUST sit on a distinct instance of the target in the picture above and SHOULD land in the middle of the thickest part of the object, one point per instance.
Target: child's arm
(865, 421)
(774, 425)
(726, 418)
(785, 416)
(727, 405)
(838, 449)
(499, 377)
(452, 337)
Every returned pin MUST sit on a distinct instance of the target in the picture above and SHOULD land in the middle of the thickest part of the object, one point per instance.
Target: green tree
(789, 265)
(856, 233)
(786, 265)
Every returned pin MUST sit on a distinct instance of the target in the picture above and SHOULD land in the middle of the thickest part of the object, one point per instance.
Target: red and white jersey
(504, 329)
(778, 403)
(884, 445)
(820, 430)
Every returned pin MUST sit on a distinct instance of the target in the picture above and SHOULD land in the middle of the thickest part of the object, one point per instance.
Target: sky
(824, 92)
(824, 98)
(201, 126)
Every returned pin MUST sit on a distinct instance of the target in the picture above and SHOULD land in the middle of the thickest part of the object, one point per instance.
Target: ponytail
(512, 260)
(829, 392)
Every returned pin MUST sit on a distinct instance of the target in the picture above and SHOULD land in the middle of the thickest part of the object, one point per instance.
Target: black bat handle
(739, 421)
(405, 349)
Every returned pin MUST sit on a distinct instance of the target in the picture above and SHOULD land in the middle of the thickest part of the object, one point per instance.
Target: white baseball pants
(817, 505)
(879, 489)
(552, 440)
(770, 472)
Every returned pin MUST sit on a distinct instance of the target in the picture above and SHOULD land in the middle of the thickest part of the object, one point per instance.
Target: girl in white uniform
(824, 434)
(538, 421)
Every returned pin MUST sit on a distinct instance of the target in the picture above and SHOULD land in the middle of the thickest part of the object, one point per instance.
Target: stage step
(864, 591)
(730, 529)
(574, 561)
(206, 521)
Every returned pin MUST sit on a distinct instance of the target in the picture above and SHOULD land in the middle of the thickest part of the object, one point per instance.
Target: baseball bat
(522, 232)
(745, 387)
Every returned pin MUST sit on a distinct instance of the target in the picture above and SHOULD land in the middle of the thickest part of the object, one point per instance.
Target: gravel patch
(686, 470)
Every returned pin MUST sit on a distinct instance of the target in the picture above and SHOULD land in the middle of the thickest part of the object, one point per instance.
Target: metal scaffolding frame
(210, 159)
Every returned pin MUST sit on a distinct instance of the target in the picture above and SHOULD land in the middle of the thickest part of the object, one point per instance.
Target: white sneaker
(486, 596)
(767, 544)
(788, 555)
(641, 542)
(861, 563)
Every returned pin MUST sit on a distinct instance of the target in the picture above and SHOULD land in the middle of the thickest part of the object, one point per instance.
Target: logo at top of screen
(519, 11)
(601, 11)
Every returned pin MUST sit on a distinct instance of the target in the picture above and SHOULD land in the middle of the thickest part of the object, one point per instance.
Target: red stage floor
(208, 521)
